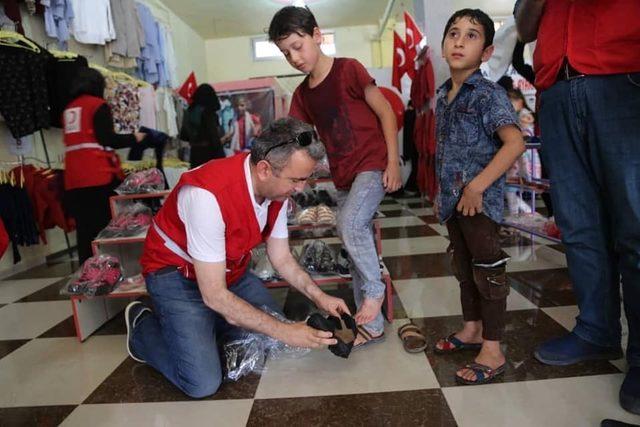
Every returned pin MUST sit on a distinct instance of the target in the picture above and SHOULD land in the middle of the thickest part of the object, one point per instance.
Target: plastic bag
(262, 266)
(146, 181)
(133, 220)
(99, 275)
(249, 354)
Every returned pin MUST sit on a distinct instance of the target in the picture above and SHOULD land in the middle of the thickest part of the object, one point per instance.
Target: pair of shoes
(630, 391)
(320, 214)
(132, 315)
(317, 257)
(570, 349)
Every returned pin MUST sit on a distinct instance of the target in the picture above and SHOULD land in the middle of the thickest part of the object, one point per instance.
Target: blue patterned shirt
(467, 141)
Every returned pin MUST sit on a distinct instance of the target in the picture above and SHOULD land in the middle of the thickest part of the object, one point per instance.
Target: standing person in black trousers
(201, 127)
(92, 168)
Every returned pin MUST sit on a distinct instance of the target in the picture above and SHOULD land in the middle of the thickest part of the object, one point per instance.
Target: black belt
(567, 72)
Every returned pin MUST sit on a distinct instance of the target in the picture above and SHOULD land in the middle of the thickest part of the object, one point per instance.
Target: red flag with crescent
(188, 88)
(399, 61)
(412, 38)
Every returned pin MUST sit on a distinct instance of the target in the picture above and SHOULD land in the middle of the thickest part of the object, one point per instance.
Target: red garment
(91, 166)
(424, 134)
(597, 37)
(225, 179)
(4, 239)
(45, 189)
(346, 124)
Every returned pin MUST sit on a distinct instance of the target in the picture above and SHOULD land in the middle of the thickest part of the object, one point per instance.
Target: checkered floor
(48, 378)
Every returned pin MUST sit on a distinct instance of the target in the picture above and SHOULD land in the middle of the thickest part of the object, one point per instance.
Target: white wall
(232, 58)
(190, 56)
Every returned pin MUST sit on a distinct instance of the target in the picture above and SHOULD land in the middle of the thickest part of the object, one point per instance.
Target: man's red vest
(86, 162)
(166, 242)
(596, 36)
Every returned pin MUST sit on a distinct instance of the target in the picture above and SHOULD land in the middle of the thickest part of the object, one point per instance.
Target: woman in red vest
(92, 168)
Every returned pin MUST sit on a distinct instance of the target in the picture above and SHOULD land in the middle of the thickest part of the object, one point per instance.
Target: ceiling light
(298, 3)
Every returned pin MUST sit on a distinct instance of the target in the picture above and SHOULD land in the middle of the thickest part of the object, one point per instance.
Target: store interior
(63, 350)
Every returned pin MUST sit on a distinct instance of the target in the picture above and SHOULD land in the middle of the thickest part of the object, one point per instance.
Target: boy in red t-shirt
(359, 130)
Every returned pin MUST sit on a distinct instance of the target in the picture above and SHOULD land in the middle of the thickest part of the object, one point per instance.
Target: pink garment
(148, 117)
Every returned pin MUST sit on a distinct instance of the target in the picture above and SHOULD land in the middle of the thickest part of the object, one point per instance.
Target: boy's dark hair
(477, 17)
(87, 81)
(289, 20)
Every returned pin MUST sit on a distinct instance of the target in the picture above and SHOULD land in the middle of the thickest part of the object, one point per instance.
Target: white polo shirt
(199, 211)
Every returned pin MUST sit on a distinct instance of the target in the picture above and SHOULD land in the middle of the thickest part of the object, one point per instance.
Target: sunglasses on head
(303, 139)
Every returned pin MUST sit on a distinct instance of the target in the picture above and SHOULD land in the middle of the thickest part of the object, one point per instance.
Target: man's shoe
(570, 349)
(132, 315)
(630, 391)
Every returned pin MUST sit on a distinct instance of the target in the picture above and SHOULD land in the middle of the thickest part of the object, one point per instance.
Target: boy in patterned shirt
(478, 141)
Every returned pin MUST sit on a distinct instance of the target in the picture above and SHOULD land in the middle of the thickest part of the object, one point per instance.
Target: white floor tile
(414, 246)
(422, 211)
(567, 402)
(29, 319)
(58, 371)
(219, 413)
(380, 368)
(441, 229)
(401, 221)
(440, 296)
(13, 290)
(534, 258)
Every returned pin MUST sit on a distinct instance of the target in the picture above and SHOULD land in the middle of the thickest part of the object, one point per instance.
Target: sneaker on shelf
(343, 263)
(132, 315)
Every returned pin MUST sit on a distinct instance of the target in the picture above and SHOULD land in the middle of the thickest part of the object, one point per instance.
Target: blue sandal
(451, 344)
(484, 374)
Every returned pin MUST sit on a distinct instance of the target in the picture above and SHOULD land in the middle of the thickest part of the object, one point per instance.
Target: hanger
(13, 39)
(60, 54)
(104, 71)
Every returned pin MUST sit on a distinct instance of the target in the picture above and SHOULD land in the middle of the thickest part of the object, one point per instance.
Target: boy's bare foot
(368, 311)
(491, 355)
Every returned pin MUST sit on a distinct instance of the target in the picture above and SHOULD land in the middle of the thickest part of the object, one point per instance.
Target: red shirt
(596, 36)
(346, 124)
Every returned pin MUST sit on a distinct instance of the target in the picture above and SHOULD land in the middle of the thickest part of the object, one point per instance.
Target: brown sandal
(412, 338)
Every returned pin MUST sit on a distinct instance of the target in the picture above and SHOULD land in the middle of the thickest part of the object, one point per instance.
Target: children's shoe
(570, 349)
(630, 391)
(132, 315)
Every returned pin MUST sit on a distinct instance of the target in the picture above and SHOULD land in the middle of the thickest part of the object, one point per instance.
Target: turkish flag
(412, 37)
(188, 88)
(399, 61)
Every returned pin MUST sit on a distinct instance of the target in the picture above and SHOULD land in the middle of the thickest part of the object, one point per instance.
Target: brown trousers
(480, 266)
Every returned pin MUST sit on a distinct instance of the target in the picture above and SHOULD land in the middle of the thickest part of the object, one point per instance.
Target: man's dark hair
(477, 17)
(273, 143)
(289, 20)
(87, 81)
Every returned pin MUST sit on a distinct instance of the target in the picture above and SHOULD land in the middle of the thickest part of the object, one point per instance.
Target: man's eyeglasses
(303, 139)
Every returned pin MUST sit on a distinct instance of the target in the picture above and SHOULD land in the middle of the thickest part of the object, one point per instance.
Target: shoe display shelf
(89, 313)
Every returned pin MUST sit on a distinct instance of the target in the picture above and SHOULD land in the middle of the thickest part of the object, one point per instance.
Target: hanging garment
(169, 56)
(61, 73)
(124, 100)
(12, 10)
(123, 51)
(4, 239)
(16, 212)
(24, 99)
(504, 42)
(147, 96)
(58, 20)
(150, 54)
(166, 116)
(93, 21)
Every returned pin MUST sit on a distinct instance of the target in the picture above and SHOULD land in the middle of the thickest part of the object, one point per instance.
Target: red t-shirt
(596, 36)
(346, 124)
